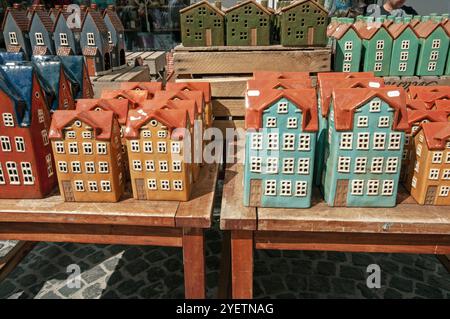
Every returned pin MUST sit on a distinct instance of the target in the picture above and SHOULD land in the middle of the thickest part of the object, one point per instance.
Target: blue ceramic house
(77, 73)
(6, 57)
(41, 33)
(280, 144)
(16, 27)
(364, 147)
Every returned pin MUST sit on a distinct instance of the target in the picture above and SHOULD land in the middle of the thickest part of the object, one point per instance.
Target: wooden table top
(407, 218)
(194, 213)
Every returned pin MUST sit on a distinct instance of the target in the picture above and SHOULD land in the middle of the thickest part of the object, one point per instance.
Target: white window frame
(176, 166)
(163, 166)
(363, 121)
(39, 38)
(272, 165)
(379, 141)
(272, 141)
(288, 165)
(148, 147)
(63, 39)
(255, 164)
(282, 107)
(392, 165)
(13, 38)
(270, 188)
(348, 56)
(59, 147)
(256, 141)
(404, 56)
(285, 188)
(402, 66)
(44, 134)
(444, 191)
(162, 147)
(360, 165)
(347, 67)
(165, 184)
(414, 182)
(301, 189)
(89, 167)
(150, 165)
(105, 186)
(304, 142)
(73, 148)
(375, 106)
(288, 142)
(177, 184)
(86, 134)
(432, 66)
(346, 142)
(379, 56)
(175, 147)
(75, 166)
(87, 148)
(387, 188)
(434, 55)
(383, 121)
(6, 143)
(363, 141)
(292, 122)
(376, 166)
(137, 165)
(405, 44)
(135, 146)
(378, 67)
(8, 119)
(344, 163)
(70, 134)
(2, 176)
(348, 45)
(373, 187)
(395, 140)
(436, 44)
(437, 157)
(303, 166)
(62, 167)
(27, 173)
(446, 174)
(20, 144)
(162, 134)
(79, 185)
(152, 184)
(92, 186)
(380, 45)
(271, 122)
(434, 174)
(90, 38)
(357, 187)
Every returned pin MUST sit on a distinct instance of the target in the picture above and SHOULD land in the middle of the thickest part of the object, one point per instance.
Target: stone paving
(114, 271)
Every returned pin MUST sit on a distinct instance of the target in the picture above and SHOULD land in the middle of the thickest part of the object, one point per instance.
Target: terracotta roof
(65, 15)
(327, 87)
(443, 105)
(430, 98)
(196, 96)
(189, 106)
(269, 11)
(416, 104)
(331, 28)
(347, 101)
(270, 84)
(151, 87)
(119, 107)
(20, 17)
(341, 30)
(45, 19)
(415, 116)
(101, 122)
(343, 75)
(136, 98)
(296, 3)
(397, 29)
(205, 87)
(279, 75)
(436, 134)
(98, 20)
(213, 7)
(367, 30)
(415, 90)
(304, 99)
(115, 20)
(173, 119)
(425, 29)
(446, 25)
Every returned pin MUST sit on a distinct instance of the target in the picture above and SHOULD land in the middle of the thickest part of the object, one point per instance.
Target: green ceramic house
(434, 45)
(248, 24)
(447, 27)
(203, 24)
(348, 48)
(405, 49)
(304, 23)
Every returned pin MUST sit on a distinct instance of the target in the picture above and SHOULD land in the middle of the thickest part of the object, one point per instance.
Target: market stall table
(131, 222)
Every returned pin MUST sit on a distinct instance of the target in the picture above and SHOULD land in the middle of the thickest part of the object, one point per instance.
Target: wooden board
(228, 107)
(156, 62)
(223, 87)
(14, 257)
(234, 48)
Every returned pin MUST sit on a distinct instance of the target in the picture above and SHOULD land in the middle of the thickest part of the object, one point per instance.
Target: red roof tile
(189, 106)
(119, 107)
(343, 75)
(115, 20)
(414, 91)
(20, 16)
(341, 30)
(151, 87)
(437, 134)
(443, 105)
(136, 98)
(45, 19)
(279, 75)
(269, 84)
(425, 29)
(397, 29)
(416, 104)
(97, 18)
(367, 30)
(196, 96)
(205, 87)
(417, 116)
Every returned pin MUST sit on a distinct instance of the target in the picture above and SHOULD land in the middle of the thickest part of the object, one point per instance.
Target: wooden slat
(224, 285)
(194, 263)
(181, 48)
(137, 74)
(445, 261)
(114, 75)
(14, 257)
(242, 264)
(156, 62)
(224, 124)
(223, 87)
(228, 107)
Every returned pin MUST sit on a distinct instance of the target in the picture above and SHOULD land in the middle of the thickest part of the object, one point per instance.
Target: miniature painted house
(116, 37)
(279, 75)
(16, 27)
(26, 164)
(67, 35)
(304, 23)
(41, 33)
(431, 181)
(150, 87)
(405, 49)
(88, 155)
(364, 147)
(203, 24)
(275, 84)
(248, 23)
(156, 149)
(430, 94)
(77, 72)
(6, 57)
(135, 98)
(280, 144)
(348, 48)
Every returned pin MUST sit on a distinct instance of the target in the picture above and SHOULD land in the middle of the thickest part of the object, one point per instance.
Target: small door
(208, 37)
(431, 195)
(140, 189)
(254, 37)
(255, 192)
(68, 191)
(340, 199)
(90, 62)
(310, 36)
(122, 57)
(107, 61)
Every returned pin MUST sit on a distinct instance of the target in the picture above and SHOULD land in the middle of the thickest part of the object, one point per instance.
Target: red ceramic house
(150, 87)
(430, 94)
(443, 105)
(135, 98)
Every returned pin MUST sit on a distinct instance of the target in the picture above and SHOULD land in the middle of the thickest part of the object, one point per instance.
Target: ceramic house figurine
(41, 32)
(135, 98)
(304, 23)
(443, 105)
(150, 87)
(279, 75)
(26, 163)
(447, 27)
(364, 147)
(248, 24)
(434, 46)
(430, 94)
(88, 155)
(405, 49)
(67, 35)
(155, 140)
(348, 48)
(343, 75)
(116, 37)
(275, 84)
(53, 12)
(203, 24)
(94, 42)
(279, 151)
(16, 27)
(430, 183)
(77, 72)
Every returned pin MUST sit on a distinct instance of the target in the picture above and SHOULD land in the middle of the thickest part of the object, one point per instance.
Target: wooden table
(408, 228)
(131, 222)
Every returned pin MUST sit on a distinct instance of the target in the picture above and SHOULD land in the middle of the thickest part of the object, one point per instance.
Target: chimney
(265, 3)
(17, 6)
(83, 7)
(94, 6)
(218, 4)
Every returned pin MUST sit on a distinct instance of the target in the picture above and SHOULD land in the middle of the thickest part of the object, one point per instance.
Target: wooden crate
(155, 60)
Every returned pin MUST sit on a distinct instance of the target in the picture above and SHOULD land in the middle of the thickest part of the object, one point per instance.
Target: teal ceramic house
(280, 144)
(405, 49)
(348, 48)
(434, 44)
(364, 147)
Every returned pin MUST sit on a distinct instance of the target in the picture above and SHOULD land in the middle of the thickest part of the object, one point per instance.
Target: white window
(419, 150)
(405, 44)
(360, 165)
(103, 167)
(27, 173)
(447, 160)
(363, 141)
(288, 166)
(70, 134)
(363, 121)
(90, 167)
(87, 148)
(436, 44)
(348, 46)
(432, 66)
(380, 44)
(76, 167)
(288, 142)
(178, 185)
(73, 148)
(39, 38)
(59, 146)
(292, 122)
(394, 141)
(150, 165)
(163, 166)
(378, 67)
(79, 186)
(377, 165)
(301, 188)
(383, 121)
(379, 56)
(446, 174)
(11, 168)
(63, 39)
(270, 188)
(6, 144)
(388, 188)
(375, 106)
(2, 176)
(282, 107)
(434, 55)
(402, 67)
(417, 167)
(135, 146)
(20, 144)
(347, 67)
(44, 137)
(165, 185)
(272, 143)
(271, 122)
(106, 186)
(86, 134)
(256, 141)
(444, 191)
(348, 57)
(92, 186)
(437, 157)
(379, 141)
(162, 147)
(8, 119)
(404, 56)
(176, 147)
(90, 39)
(286, 188)
(344, 164)
(62, 166)
(148, 147)
(255, 164)
(304, 142)
(392, 165)
(13, 38)
(41, 117)
(357, 187)
(303, 166)
(346, 141)
(434, 173)
(162, 134)
(272, 165)
(414, 182)
(151, 184)
(176, 166)
(146, 134)
(137, 165)
(110, 37)
(372, 187)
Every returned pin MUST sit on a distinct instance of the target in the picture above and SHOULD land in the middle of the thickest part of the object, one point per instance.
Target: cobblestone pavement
(114, 271)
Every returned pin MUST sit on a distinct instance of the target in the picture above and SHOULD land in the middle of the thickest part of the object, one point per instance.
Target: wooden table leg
(224, 289)
(13, 258)
(242, 264)
(194, 263)
(445, 261)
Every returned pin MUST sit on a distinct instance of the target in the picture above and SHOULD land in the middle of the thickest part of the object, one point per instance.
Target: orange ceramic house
(87, 150)
(430, 183)
(150, 87)
(416, 104)
(443, 105)
(135, 98)
(430, 94)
